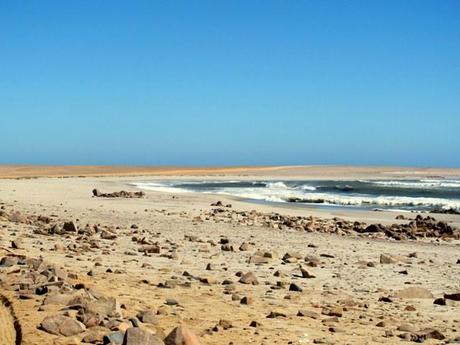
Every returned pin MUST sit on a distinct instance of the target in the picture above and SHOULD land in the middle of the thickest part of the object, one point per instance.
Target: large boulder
(62, 325)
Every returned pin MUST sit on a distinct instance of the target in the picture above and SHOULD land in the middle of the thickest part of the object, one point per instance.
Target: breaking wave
(426, 194)
(419, 183)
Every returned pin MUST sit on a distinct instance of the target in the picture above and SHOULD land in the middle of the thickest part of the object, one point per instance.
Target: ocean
(397, 195)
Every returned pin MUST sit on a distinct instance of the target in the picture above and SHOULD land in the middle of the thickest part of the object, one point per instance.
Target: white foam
(419, 184)
(159, 187)
(277, 185)
(336, 199)
(307, 187)
(281, 192)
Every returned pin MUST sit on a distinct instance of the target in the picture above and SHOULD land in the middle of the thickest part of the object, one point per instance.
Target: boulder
(181, 336)
(453, 296)
(148, 316)
(139, 336)
(70, 227)
(62, 325)
(104, 306)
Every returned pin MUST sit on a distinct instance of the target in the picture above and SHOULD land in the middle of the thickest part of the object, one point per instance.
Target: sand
(344, 281)
(306, 172)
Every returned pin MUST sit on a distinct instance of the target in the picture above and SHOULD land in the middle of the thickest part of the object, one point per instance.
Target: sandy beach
(228, 275)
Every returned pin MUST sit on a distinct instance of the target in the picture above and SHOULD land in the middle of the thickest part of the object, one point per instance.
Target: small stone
(275, 314)
(247, 300)
(295, 287)
(308, 313)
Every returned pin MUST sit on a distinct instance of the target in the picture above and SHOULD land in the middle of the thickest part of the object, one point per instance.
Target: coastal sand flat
(305, 172)
(167, 218)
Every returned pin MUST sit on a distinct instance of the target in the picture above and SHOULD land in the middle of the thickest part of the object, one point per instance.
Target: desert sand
(164, 260)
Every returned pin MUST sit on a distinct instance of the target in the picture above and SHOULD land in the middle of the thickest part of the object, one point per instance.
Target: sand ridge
(306, 171)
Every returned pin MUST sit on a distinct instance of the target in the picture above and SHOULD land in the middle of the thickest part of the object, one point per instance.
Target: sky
(230, 82)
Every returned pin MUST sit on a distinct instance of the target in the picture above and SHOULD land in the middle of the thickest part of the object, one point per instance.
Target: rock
(247, 300)
(244, 246)
(171, 301)
(62, 325)
(308, 313)
(295, 287)
(150, 248)
(17, 217)
(103, 306)
(385, 299)
(292, 257)
(431, 334)
(57, 298)
(440, 301)
(181, 336)
(374, 228)
(225, 324)
(254, 324)
(275, 314)
(258, 260)
(413, 292)
(114, 338)
(249, 278)
(17, 243)
(95, 335)
(139, 336)
(335, 311)
(227, 247)
(8, 261)
(453, 296)
(148, 316)
(388, 259)
(407, 327)
(120, 194)
(70, 227)
(305, 273)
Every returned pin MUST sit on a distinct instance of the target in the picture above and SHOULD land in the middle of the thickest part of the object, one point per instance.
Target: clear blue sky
(230, 82)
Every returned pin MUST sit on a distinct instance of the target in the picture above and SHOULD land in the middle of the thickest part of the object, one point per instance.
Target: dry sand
(345, 282)
(307, 172)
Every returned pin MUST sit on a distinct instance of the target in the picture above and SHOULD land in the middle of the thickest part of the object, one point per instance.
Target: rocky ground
(160, 268)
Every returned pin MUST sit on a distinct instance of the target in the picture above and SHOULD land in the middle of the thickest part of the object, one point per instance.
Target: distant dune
(307, 171)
